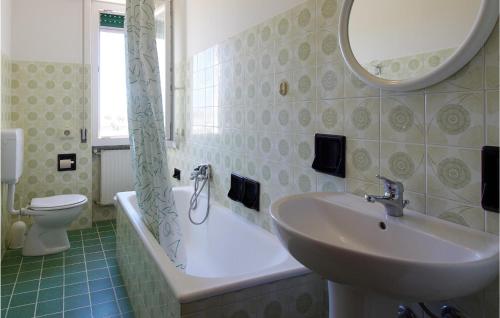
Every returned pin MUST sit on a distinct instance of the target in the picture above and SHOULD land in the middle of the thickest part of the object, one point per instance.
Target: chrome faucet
(392, 199)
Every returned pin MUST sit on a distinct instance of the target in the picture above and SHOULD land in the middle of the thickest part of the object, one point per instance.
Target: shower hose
(203, 174)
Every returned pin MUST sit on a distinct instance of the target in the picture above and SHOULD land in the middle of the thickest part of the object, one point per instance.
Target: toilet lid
(57, 202)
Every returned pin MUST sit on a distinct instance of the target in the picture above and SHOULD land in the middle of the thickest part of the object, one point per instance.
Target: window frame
(97, 8)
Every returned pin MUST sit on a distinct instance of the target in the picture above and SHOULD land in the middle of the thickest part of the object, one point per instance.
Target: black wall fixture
(489, 178)
(66, 162)
(329, 154)
(177, 174)
(245, 190)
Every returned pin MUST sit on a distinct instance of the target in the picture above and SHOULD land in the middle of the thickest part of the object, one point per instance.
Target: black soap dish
(329, 154)
(245, 190)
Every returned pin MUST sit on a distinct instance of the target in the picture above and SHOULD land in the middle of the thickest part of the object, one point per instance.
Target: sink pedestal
(348, 302)
(345, 301)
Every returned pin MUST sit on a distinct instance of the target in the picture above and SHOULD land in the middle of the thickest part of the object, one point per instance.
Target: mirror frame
(479, 33)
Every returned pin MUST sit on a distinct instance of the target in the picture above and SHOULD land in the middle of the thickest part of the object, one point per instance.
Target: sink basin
(413, 257)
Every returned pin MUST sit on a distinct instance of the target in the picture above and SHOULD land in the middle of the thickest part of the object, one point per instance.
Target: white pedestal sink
(358, 247)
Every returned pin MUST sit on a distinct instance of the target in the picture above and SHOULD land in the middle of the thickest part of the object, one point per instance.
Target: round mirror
(410, 44)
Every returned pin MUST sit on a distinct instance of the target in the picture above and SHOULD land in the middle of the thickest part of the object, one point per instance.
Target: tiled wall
(151, 296)
(48, 98)
(229, 113)
(6, 123)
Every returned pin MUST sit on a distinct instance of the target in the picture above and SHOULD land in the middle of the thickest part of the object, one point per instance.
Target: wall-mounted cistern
(392, 199)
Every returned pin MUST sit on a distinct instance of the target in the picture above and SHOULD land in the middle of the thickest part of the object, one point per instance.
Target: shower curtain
(147, 130)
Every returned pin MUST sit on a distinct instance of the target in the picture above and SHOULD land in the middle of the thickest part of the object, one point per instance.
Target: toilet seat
(57, 202)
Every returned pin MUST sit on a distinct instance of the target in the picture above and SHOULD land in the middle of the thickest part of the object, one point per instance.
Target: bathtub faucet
(200, 174)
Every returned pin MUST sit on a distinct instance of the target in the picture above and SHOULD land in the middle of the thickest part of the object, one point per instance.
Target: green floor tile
(56, 315)
(18, 252)
(23, 287)
(74, 278)
(94, 256)
(77, 244)
(106, 309)
(76, 289)
(75, 259)
(106, 234)
(51, 282)
(74, 268)
(111, 239)
(23, 299)
(78, 301)
(8, 279)
(102, 296)
(11, 260)
(93, 249)
(112, 262)
(52, 271)
(108, 246)
(7, 289)
(78, 313)
(26, 267)
(49, 307)
(90, 236)
(31, 275)
(9, 270)
(73, 239)
(109, 254)
(125, 305)
(32, 259)
(5, 301)
(21, 311)
(50, 293)
(3, 313)
(91, 265)
(100, 284)
(53, 256)
(129, 314)
(114, 270)
(117, 281)
(53, 263)
(98, 274)
(74, 251)
(89, 230)
(121, 292)
(91, 242)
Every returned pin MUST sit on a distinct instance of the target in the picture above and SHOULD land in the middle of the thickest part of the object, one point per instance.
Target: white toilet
(51, 215)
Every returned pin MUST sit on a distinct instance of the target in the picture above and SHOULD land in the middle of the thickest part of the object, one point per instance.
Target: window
(109, 114)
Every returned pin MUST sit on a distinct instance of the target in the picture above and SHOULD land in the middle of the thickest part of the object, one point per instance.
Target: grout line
(64, 280)
(87, 276)
(14, 287)
(109, 272)
(38, 289)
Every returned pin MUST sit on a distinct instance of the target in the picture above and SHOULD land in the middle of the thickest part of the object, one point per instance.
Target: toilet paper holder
(66, 162)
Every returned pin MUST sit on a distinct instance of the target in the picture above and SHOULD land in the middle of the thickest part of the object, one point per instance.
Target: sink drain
(382, 225)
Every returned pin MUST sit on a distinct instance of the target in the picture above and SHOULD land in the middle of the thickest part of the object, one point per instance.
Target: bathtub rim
(187, 288)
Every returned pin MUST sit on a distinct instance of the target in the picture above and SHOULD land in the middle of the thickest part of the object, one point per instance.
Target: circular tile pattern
(266, 172)
(329, 118)
(266, 61)
(304, 18)
(304, 303)
(413, 64)
(305, 150)
(304, 51)
(283, 26)
(305, 117)
(283, 57)
(361, 159)
(283, 178)
(453, 173)
(265, 145)
(453, 119)
(401, 165)
(283, 117)
(329, 44)
(283, 147)
(434, 60)
(265, 33)
(266, 117)
(361, 118)
(453, 217)
(329, 80)
(304, 183)
(401, 118)
(329, 8)
(304, 84)
(273, 310)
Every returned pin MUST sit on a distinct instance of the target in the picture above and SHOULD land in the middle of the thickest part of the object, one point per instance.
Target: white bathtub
(225, 254)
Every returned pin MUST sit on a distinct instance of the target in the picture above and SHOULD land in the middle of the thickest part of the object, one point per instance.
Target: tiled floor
(82, 282)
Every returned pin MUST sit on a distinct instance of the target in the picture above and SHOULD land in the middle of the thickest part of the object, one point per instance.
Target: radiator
(116, 174)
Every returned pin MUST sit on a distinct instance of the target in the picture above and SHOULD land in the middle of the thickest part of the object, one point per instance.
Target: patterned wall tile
(405, 163)
(330, 116)
(491, 66)
(405, 118)
(456, 119)
(362, 118)
(456, 212)
(362, 160)
(453, 175)
(492, 117)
